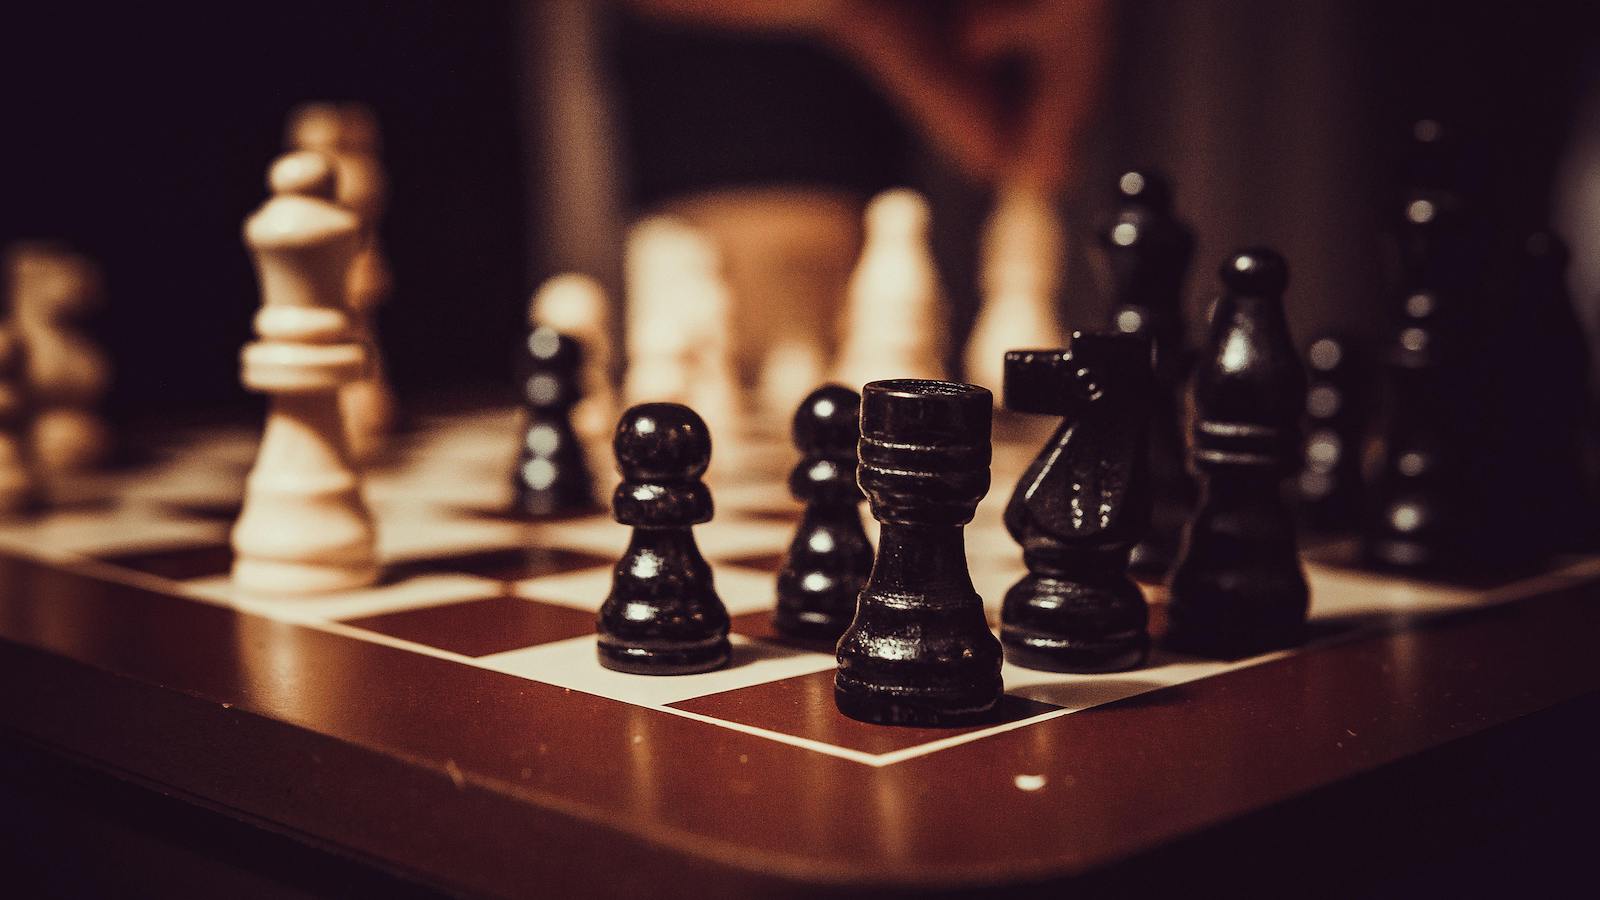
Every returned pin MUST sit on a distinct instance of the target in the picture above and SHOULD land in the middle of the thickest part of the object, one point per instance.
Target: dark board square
(482, 627)
(803, 706)
(506, 563)
(177, 563)
(758, 625)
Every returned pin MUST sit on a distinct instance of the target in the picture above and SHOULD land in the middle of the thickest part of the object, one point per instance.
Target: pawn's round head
(314, 126)
(898, 212)
(304, 172)
(1145, 188)
(662, 442)
(1256, 272)
(828, 422)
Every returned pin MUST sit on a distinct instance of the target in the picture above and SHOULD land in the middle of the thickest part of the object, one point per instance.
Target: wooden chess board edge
(691, 798)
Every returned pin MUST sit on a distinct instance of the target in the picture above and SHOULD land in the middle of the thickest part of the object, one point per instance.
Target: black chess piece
(552, 477)
(1238, 588)
(1147, 251)
(663, 615)
(1423, 514)
(1081, 506)
(1329, 490)
(1415, 522)
(830, 556)
(919, 651)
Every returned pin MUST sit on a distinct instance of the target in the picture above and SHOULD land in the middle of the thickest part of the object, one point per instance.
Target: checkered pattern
(467, 584)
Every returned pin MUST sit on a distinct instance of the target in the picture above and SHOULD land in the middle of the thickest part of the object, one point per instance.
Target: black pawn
(1328, 490)
(1081, 506)
(919, 651)
(663, 615)
(1422, 518)
(551, 477)
(829, 557)
(1147, 251)
(1238, 588)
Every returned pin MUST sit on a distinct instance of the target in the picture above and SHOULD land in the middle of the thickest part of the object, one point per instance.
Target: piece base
(1050, 653)
(881, 707)
(810, 626)
(266, 577)
(666, 661)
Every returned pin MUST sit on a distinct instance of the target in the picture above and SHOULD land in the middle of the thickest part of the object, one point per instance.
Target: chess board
(474, 660)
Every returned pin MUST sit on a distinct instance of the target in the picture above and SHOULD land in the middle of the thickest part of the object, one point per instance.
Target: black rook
(919, 651)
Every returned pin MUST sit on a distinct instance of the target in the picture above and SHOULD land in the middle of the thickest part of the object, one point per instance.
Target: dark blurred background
(140, 134)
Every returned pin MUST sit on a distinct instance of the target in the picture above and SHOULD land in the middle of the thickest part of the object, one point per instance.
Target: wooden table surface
(464, 780)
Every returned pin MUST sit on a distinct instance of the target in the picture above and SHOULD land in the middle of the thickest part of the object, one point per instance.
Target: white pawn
(575, 305)
(348, 134)
(67, 374)
(1020, 278)
(678, 323)
(304, 527)
(18, 486)
(894, 321)
(793, 369)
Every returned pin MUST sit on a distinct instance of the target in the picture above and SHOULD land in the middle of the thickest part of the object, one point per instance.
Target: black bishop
(1238, 588)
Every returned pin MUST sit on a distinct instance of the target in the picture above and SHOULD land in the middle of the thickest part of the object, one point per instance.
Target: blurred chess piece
(786, 254)
(792, 365)
(18, 485)
(304, 527)
(895, 320)
(678, 333)
(1023, 247)
(66, 373)
(1328, 491)
(576, 306)
(348, 134)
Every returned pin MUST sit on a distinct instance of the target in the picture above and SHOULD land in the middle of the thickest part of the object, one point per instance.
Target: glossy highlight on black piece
(829, 558)
(1081, 506)
(663, 615)
(919, 651)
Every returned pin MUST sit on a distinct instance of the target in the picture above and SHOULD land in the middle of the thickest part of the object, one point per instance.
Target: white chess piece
(678, 332)
(18, 486)
(304, 527)
(793, 369)
(66, 374)
(1020, 279)
(894, 321)
(576, 305)
(348, 134)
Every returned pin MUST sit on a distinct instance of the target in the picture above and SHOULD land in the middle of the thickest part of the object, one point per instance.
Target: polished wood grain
(482, 782)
